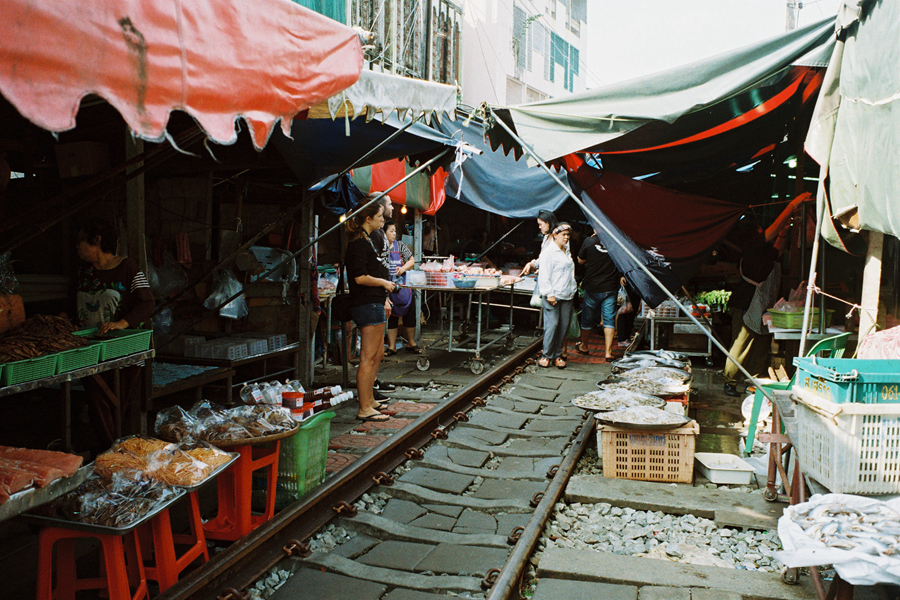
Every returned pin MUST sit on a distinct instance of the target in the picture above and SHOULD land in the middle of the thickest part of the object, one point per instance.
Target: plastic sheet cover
(216, 60)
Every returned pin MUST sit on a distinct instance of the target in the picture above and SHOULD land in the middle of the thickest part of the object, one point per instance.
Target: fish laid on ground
(874, 530)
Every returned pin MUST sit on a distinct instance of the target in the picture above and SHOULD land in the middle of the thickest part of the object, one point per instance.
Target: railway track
(463, 494)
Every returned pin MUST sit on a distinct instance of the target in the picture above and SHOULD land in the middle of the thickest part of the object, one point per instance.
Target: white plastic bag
(226, 287)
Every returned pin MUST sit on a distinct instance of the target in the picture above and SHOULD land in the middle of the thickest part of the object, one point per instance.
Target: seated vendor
(477, 246)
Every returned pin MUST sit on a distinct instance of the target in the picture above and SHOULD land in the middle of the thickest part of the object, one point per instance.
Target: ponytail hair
(353, 225)
(549, 218)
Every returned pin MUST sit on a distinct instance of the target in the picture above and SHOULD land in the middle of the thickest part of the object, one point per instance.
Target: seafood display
(873, 530)
(615, 399)
(662, 354)
(38, 336)
(633, 361)
(663, 375)
(645, 386)
(644, 416)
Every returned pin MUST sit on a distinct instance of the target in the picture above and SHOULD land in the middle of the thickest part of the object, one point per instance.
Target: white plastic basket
(849, 448)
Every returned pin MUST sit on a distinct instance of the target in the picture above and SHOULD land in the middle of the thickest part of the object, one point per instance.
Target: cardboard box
(78, 159)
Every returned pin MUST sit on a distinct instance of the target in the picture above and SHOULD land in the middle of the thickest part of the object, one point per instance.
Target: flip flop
(580, 350)
(560, 363)
(390, 352)
(375, 418)
(377, 406)
(544, 362)
(413, 349)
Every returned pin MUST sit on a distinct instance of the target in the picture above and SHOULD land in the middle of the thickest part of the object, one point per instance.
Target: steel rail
(247, 559)
(511, 574)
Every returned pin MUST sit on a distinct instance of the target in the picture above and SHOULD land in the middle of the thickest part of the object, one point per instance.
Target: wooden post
(304, 306)
(871, 284)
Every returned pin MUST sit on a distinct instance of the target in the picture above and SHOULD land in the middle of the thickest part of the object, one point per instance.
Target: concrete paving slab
(385, 529)
(516, 463)
(477, 521)
(435, 521)
(507, 522)
(478, 435)
(702, 594)
(489, 419)
(536, 447)
(553, 426)
(500, 402)
(441, 481)
(528, 406)
(463, 560)
(415, 493)
(441, 509)
(391, 577)
(402, 594)
(559, 589)
(661, 592)
(394, 554)
(432, 462)
(536, 382)
(493, 489)
(402, 511)
(534, 394)
(726, 508)
(566, 563)
(468, 458)
(356, 547)
(561, 410)
(312, 584)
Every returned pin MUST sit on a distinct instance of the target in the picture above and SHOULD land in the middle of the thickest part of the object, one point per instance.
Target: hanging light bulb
(403, 210)
(342, 218)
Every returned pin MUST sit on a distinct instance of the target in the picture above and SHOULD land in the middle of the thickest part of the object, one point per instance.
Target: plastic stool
(167, 566)
(234, 520)
(121, 566)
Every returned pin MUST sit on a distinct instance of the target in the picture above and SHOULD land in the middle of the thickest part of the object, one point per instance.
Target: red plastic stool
(121, 565)
(234, 520)
(167, 566)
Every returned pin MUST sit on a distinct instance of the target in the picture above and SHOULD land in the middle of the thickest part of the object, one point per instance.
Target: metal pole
(577, 200)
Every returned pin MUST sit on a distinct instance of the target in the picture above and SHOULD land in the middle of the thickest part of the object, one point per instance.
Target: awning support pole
(634, 259)
(814, 257)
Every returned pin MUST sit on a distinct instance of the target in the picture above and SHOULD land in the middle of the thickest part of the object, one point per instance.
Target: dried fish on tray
(643, 417)
(38, 336)
(661, 374)
(615, 399)
(860, 536)
(645, 386)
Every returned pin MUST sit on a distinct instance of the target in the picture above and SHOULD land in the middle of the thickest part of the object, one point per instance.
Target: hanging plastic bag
(574, 331)
(623, 301)
(226, 287)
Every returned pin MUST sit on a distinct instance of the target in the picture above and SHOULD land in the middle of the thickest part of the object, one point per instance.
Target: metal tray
(25, 500)
(642, 426)
(92, 528)
(649, 400)
(215, 473)
(222, 444)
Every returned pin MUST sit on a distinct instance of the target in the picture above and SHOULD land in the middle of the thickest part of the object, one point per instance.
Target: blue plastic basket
(841, 380)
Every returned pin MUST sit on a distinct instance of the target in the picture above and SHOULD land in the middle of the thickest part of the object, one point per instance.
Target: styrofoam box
(723, 469)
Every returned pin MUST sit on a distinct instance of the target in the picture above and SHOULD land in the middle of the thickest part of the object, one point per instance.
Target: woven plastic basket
(77, 358)
(649, 455)
(794, 320)
(29, 369)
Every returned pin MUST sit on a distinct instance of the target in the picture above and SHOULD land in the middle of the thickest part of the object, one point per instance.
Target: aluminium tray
(93, 528)
(642, 426)
(27, 499)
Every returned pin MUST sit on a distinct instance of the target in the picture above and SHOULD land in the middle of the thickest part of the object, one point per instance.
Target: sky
(632, 38)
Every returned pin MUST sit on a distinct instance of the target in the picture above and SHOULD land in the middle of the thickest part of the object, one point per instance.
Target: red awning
(216, 60)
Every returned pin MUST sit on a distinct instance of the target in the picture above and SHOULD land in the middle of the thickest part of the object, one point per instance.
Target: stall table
(261, 360)
(65, 380)
(479, 297)
(192, 382)
(654, 321)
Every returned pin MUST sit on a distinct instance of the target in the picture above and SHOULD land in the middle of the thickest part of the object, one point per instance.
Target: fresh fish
(874, 530)
(658, 374)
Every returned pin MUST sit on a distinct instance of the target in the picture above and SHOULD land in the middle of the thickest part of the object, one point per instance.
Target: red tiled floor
(336, 462)
(348, 440)
(367, 426)
(407, 407)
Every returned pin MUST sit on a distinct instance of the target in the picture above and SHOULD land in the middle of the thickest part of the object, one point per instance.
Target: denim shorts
(596, 303)
(368, 314)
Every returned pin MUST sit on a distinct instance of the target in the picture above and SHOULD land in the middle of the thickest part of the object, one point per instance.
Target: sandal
(390, 352)
(413, 349)
(581, 350)
(544, 362)
(377, 418)
(560, 363)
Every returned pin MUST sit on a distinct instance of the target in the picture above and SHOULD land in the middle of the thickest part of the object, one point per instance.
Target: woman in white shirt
(558, 288)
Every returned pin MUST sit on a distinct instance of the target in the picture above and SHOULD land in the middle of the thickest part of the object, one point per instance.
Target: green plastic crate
(77, 358)
(794, 320)
(120, 342)
(842, 380)
(301, 462)
(29, 369)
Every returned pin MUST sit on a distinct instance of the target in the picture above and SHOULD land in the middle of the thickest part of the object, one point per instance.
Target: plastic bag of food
(178, 468)
(248, 418)
(176, 424)
(277, 416)
(226, 287)
(206, 452)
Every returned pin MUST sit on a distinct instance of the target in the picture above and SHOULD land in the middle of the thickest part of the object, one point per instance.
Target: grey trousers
(556, 323)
